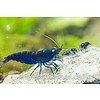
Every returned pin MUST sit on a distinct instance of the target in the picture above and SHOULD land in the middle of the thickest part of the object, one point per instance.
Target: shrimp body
(43, 57)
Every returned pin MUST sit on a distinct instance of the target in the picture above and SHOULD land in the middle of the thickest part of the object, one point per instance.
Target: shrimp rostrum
(44, 57)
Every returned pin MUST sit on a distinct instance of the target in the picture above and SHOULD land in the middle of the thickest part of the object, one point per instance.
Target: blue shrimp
(70, 52)
(74, 50)
(43, 57)
(84, 46)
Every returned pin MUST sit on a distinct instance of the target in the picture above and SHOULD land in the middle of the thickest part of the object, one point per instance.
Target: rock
(85, 67)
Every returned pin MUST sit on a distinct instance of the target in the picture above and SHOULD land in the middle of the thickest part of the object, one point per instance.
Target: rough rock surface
(74, 70)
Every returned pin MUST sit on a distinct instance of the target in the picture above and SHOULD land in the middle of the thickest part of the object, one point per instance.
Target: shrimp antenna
(50, 39)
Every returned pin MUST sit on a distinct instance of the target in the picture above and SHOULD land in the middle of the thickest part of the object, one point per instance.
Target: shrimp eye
(53, 50)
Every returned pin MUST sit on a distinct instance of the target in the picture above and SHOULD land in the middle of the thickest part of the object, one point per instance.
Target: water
(8, 27)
